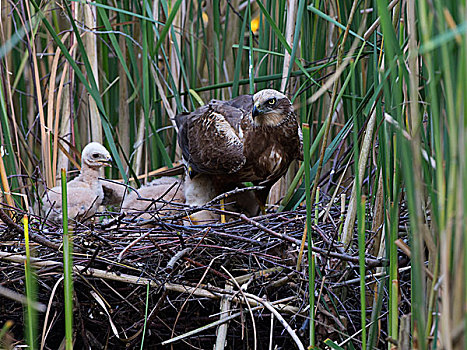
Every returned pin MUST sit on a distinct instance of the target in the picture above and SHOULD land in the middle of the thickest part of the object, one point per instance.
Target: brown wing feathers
(209, 138)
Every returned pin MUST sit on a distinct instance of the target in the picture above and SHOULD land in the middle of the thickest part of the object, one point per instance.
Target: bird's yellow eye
(272, 101)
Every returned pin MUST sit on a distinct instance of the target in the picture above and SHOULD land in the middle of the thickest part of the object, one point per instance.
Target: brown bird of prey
(251, 138)
(84, 193)
(164, 191)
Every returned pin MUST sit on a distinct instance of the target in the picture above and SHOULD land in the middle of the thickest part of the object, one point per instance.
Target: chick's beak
(107, 161)
(255, 111)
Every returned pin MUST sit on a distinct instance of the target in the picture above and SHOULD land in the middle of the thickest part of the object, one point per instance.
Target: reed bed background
(381, 86)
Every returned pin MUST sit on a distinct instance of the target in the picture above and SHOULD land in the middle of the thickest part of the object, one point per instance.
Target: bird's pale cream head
(270, 107)
(95, 155)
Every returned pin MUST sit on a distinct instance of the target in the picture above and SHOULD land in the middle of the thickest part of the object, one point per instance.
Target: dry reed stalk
(20, 298)
(423, 234)
(216, 323)
(5, 28)
(225, 313)
(404, 333)
(216, 293)
(289, 34)
(6, 24)
(123, 105)
(60, 116)
(179, 21)
(378, 219)
(349, 223)
(8, 95)
(333, 80)
(234, 25)
(6, 185)
(52, 113)
(45, 135)
(30, 113)
(192, 292)
(279, 189)
(90, 44)
(165, 102)
(334, 195)
(279, 317)
(375, 24)
(66, 108)
(65, 120)
(175, 37)
(139, 143)
(211, 40)
(241, 290)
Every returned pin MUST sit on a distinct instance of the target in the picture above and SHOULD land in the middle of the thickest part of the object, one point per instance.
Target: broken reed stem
(342, 217)
(271, 335)
(302, 248)
(20, 298)
(5, 184)
(143, 236)
(225, 313)
(177, 257)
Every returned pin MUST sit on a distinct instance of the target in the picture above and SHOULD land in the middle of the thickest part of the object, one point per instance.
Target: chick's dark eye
(272, 101)
(95, 155)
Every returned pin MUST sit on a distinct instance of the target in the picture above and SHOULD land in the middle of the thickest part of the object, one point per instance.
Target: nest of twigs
(241, 274)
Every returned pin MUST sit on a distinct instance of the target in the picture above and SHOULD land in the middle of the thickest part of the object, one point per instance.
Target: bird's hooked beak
(256, 112)
(107, 161)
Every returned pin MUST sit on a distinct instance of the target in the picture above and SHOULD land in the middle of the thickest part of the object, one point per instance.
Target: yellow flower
(254, 25)
(205, 18)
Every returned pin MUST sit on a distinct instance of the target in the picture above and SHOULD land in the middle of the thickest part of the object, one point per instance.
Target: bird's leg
(261, 197)
(199, 191)
(222, 201)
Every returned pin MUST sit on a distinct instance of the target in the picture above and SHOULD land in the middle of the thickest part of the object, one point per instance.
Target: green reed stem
(145, 316)
(31, 291)
(361, 258)
(311, 265)
(67, 267)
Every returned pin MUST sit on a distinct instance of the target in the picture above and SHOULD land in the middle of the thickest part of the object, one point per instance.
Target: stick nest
(179, 274)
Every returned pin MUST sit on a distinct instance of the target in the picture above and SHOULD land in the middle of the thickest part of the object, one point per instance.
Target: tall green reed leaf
(145, 317)
(238, 61)
(311, 264)
(67, 266)
(167, 26)
(31, 324)
(361, 258)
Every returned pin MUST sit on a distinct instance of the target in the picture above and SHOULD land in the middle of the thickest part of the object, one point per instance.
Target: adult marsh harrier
(251, 138)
